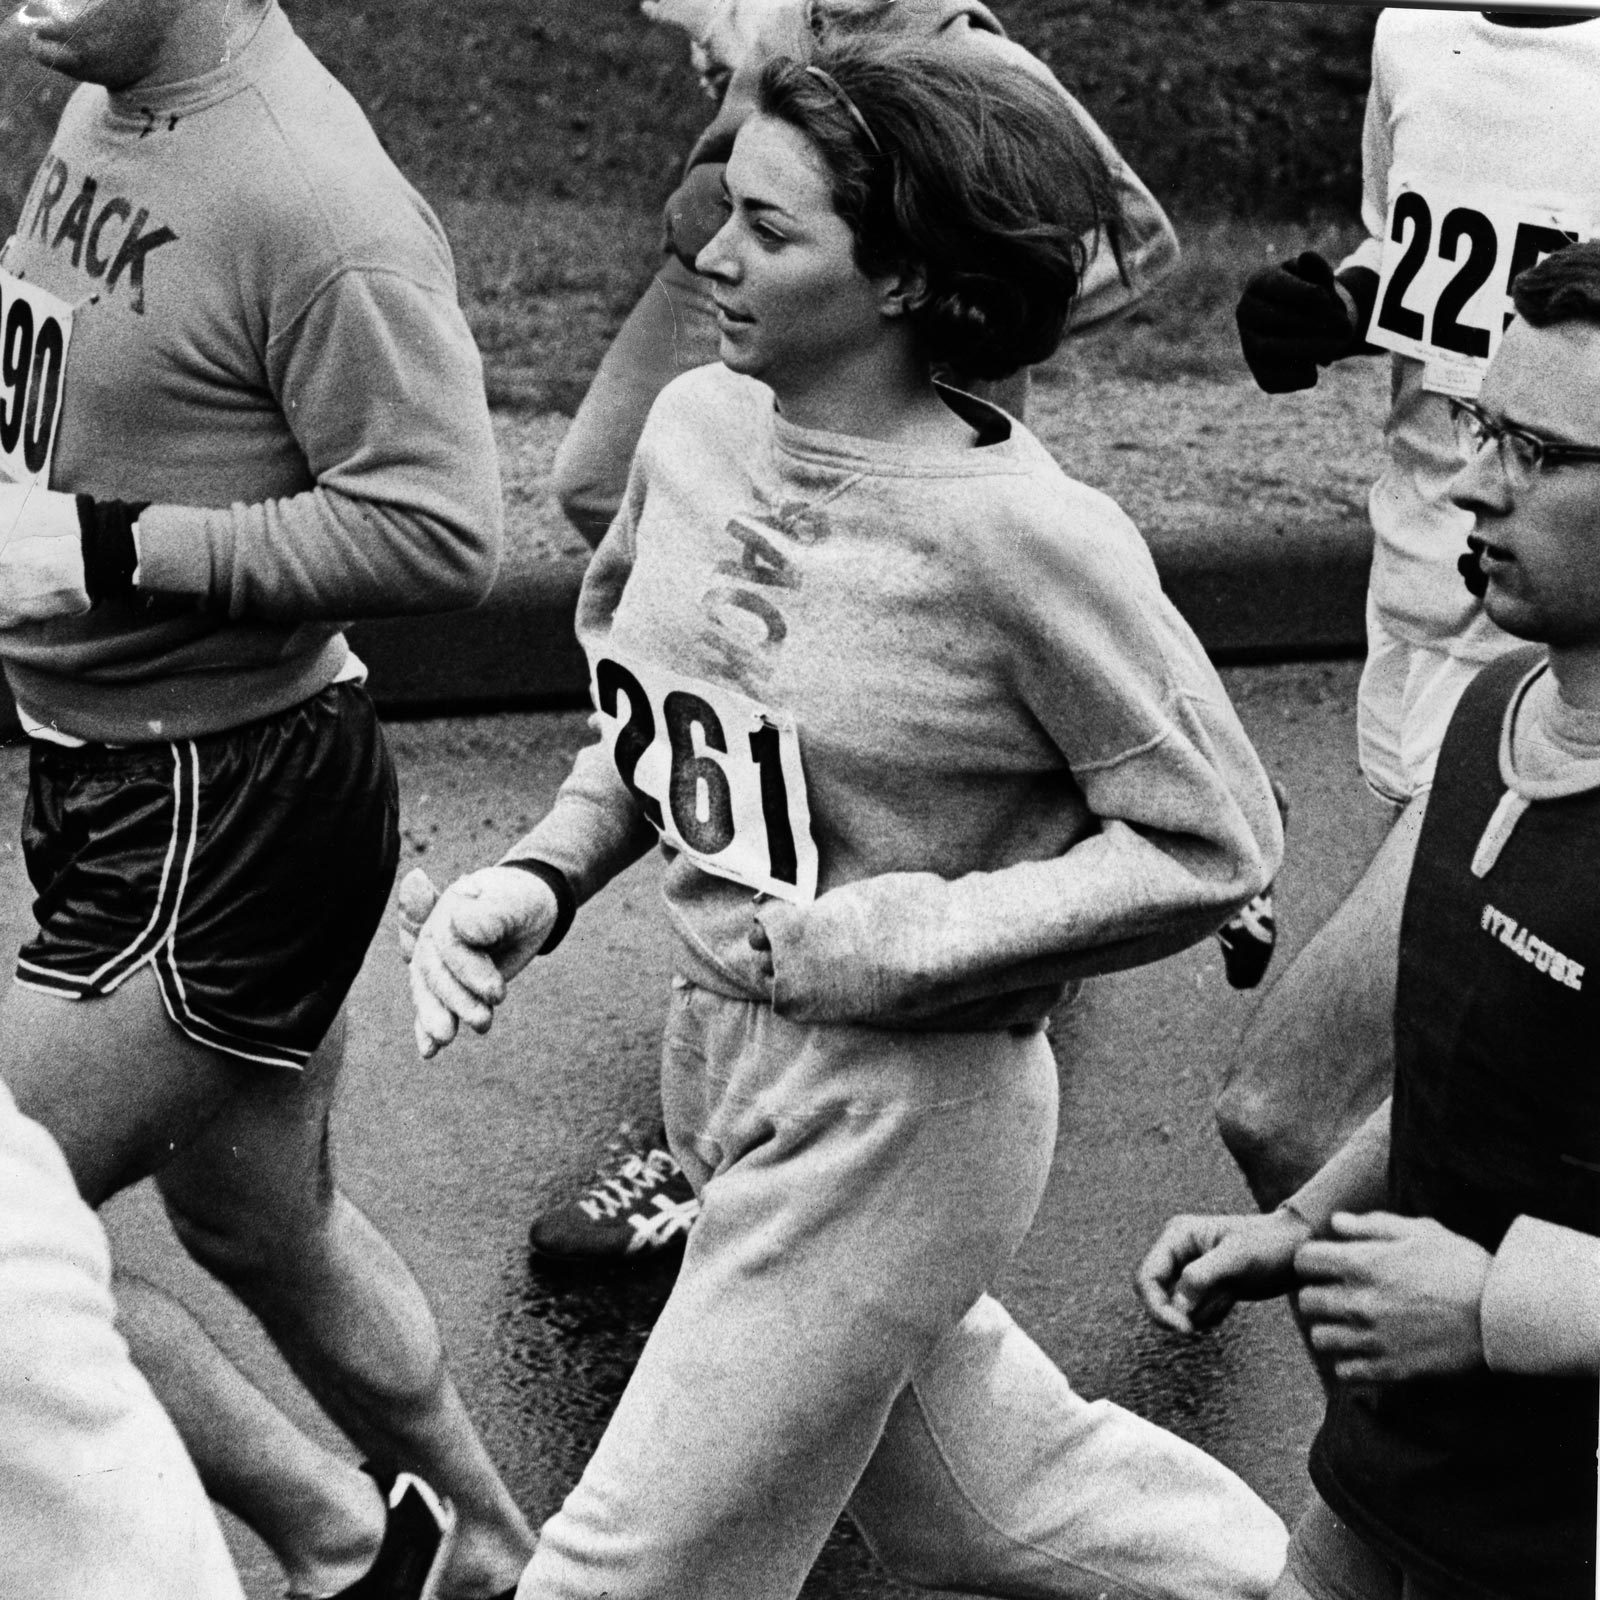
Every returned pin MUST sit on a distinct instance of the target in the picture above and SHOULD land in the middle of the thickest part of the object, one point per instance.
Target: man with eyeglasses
(1447, 1259)
(1481, 155)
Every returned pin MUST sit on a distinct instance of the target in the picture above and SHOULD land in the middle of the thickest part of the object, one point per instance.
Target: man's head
(1537, 509)
(129, 44)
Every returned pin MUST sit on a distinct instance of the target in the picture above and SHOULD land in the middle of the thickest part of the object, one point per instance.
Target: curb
(1280, 593)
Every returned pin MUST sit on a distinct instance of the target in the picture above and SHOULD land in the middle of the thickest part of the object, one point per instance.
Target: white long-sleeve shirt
(1477, 133)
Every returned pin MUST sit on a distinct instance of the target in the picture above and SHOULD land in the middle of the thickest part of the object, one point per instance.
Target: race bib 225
(1444, 294)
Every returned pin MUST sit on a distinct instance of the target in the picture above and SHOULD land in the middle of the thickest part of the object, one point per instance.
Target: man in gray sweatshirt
(239, 406)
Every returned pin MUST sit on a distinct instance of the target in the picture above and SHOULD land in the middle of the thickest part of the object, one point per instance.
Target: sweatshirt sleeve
(382, 386)
(1377, 156)
(1541, 1304)
(1186, 828)
(595, 829)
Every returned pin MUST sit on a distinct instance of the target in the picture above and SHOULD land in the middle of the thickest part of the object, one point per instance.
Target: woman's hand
(1392, 1297)
(466, 944)
(1200, 1267)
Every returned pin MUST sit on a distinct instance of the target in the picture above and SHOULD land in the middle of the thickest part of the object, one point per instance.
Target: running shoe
(1251, 935)
(639, 1208)
(1248, 939)
(416, 1544)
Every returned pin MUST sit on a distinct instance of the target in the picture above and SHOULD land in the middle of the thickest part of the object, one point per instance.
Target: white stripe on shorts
(156, 945)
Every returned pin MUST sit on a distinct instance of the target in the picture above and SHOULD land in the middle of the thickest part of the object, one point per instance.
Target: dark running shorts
(248, 870)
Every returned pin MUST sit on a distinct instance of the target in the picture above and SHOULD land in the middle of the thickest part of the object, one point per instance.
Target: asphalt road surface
(452, 1157)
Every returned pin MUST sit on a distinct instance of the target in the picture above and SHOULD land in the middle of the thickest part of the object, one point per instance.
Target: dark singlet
(1487, 1481)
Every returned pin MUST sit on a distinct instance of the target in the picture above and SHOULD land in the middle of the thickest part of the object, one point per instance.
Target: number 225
(1463, 223)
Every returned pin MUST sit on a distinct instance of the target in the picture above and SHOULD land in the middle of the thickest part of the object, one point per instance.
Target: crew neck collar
(996, 442)
(1537, 714)
(184, 98)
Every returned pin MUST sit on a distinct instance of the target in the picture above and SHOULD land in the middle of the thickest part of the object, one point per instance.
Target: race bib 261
(716, 773)
(35, 330)
(1444, 294)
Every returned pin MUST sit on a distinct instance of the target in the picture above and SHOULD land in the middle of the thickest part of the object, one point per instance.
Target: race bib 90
(718, 774)
(1444, 294)
(35, 330)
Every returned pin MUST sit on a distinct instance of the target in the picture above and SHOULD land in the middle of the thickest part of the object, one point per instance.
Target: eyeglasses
(1522, 454)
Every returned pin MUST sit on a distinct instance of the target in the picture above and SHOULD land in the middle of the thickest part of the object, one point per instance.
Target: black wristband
(566, 900)
(110, 555)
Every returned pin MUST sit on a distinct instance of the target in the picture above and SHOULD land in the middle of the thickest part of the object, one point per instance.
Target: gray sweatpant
(830, 1343)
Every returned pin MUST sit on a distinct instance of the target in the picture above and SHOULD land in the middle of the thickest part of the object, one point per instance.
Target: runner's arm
(1186, 826)
(1358, 273)
(1541, 1304)
(595, 829)
(1539, 1308)
(1200, 1266)
(1377, 156)
(382, 386)
(1355, 1178)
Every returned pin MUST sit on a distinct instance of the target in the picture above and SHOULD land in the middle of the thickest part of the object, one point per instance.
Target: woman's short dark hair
(972, 171)
(1564, 287)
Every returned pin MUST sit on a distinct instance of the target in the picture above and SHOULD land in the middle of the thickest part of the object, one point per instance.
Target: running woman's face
(117, 43)
(793, 308)
(1539, 545)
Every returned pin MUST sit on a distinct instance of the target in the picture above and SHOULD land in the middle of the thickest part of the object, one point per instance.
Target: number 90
(30, 370)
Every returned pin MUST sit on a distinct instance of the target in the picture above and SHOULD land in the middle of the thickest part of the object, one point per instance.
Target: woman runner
(924, 744)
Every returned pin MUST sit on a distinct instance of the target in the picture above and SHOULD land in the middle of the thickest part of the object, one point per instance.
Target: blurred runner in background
(1480, 155)
(97, 1497)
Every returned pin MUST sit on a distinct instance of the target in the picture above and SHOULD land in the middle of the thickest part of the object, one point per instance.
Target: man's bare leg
(317, 1513)
(255, 1202)
(1318, 1055)
(244, 1167)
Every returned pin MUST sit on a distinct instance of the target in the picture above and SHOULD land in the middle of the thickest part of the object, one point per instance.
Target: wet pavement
(453, 1157)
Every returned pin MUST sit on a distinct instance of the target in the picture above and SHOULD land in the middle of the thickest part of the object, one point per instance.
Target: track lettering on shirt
(1449, 258)
(35, 332)
(106, 237)
(718, 774)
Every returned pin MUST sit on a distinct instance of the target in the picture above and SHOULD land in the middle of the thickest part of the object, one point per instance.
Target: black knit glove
(1292, 320)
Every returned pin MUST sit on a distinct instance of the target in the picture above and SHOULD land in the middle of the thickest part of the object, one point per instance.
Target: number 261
(693, 777)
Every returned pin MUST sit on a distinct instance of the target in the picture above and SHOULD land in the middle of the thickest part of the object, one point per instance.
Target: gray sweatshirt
(1020, 766)
(268, 348)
